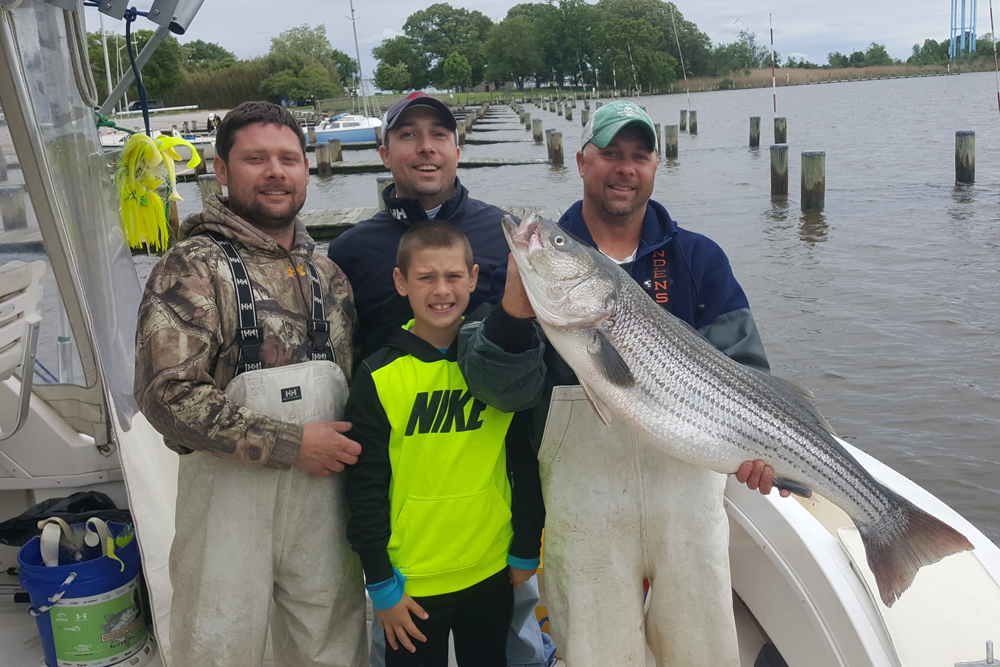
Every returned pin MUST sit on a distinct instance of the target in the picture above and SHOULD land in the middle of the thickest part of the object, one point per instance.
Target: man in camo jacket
(259, 517)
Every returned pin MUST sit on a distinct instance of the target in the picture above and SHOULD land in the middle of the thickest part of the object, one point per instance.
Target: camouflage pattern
(186, 340)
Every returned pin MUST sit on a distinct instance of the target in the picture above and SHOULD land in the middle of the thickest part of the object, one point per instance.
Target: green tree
(161, 75)
(876, 55)
(392, 77)
(199, 54)
(347, 67)
(838, 59)
(401, 50)
(512, 51)
(457, 71)
(662, 16)
(612, 41)
(303, 46)
(441, 30)
(743, 54)
(285, 84)
(857, 59)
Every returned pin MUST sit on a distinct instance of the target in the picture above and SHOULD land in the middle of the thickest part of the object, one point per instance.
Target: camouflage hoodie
(186, 340)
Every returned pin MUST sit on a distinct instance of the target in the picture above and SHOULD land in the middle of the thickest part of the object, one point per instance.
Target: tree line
(551, 43)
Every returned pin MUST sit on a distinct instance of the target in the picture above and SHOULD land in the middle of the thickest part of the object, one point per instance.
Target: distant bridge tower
(963, 32)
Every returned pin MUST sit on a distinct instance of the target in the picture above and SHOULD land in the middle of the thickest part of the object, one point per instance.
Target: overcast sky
(802, 28)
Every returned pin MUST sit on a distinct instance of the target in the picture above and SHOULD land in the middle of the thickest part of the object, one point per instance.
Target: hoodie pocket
(441, 534)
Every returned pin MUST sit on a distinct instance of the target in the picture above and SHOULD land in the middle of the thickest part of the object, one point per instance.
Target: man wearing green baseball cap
(618, 510)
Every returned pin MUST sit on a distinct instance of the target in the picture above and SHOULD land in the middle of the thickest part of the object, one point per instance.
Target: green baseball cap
(609, 120)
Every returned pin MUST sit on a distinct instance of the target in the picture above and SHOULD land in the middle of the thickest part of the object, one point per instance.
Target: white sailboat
(800, 579)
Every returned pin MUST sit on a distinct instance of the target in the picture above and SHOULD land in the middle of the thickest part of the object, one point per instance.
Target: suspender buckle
(319, 336)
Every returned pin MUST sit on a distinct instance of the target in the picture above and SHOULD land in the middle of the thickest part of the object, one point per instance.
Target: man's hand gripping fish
(654, 371)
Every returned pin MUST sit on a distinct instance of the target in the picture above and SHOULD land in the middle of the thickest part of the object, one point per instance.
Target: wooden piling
(323, 169)
(312, 135)
(586, 105)
(336, 150)
(692, 122)
(656, 128)
(684, 120)
(965, 157)
(378, 135)
(202, 167)
(813, 180)
(12, 206)
(754, 131)
(569, 113)
(194, 126)
(585, 116)
(555, 147)
(780, 130)
(536, 130)
(670, 133)
(3, 168)
(381, 183)
(527, 120)
(779, 170)
(461, 132)
(208, 185)
(187, 127)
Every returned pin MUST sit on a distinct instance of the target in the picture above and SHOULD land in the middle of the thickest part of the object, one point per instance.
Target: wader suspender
(249, 336)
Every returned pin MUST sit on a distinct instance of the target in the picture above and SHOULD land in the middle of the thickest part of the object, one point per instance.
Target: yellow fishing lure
(144, 166)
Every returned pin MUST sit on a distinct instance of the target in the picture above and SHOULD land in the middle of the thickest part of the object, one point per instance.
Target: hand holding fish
(515, 298)
(758, 475)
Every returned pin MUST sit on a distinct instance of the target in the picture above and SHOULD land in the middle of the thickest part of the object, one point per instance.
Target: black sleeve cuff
(512, 334)
(377, 565)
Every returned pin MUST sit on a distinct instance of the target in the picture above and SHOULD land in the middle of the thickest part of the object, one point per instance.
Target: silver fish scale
(713, 412)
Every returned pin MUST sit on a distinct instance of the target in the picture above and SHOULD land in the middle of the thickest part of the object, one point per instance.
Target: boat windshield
(71, 219)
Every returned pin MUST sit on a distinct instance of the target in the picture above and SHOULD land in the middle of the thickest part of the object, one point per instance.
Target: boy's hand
(515, 298)
(398, 623)
(325, 449)
(519, 576)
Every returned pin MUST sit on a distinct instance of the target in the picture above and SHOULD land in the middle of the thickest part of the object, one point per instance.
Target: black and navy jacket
(367, 254)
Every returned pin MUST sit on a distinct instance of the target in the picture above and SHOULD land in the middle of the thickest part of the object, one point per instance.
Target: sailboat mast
(357, 51)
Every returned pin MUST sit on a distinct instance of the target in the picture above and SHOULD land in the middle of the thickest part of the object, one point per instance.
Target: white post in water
(536, 130)
(208, 185)
(684, 120)
(323, 169)
(12, 208)
(779, 170)
(381, 183)
(692, 122)
(813, 180)
(461, 132)
(656, 129)
(378, 135)
(336, 150)
(569, 112)
(780, 130)
(312, 135)
(965, 157)
(527, 120)
(754, 131)
(670, 141)
(555, 147)
(584, 116)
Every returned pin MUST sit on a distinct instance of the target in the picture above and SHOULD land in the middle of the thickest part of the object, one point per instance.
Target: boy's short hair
(248, 113)
(431, 234)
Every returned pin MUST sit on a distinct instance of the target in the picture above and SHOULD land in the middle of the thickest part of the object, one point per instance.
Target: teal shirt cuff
(387, 594)
(523, 563)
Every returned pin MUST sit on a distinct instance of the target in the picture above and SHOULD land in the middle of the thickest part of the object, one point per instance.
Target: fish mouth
(520, 236)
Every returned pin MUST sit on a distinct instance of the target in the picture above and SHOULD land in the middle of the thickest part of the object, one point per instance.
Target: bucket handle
(55, 598)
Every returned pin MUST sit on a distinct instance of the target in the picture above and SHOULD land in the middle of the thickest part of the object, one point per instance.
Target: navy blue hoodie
(367, 254)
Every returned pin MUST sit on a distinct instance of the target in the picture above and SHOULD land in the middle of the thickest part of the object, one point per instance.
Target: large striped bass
(637, 362)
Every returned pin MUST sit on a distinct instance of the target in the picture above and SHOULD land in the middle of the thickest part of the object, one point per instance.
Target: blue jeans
(527, 645)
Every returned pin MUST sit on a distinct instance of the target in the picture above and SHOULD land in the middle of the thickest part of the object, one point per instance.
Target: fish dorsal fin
(801, 395)
(595, 403)
(609, 361)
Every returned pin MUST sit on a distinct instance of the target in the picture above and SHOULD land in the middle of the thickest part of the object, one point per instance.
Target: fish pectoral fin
(610, 361)
(803, 396)
(595, 403)
(783, 484)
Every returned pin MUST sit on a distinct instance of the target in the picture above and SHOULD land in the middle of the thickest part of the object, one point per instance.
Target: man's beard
(259, 216)
(618, 213)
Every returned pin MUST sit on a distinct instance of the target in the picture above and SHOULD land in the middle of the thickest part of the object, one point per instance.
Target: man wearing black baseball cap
(420, 148)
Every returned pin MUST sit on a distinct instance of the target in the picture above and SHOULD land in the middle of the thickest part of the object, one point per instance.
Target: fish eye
(559, 240)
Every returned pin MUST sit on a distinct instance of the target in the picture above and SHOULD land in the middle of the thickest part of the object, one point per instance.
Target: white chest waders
(619, 510)
(255, 545)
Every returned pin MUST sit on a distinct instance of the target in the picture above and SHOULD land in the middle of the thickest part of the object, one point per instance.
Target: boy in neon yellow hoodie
(445, 516)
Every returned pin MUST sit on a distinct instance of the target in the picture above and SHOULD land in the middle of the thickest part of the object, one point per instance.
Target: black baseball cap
(418, 99)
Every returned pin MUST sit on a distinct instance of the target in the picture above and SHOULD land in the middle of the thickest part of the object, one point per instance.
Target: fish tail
(905, 539)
